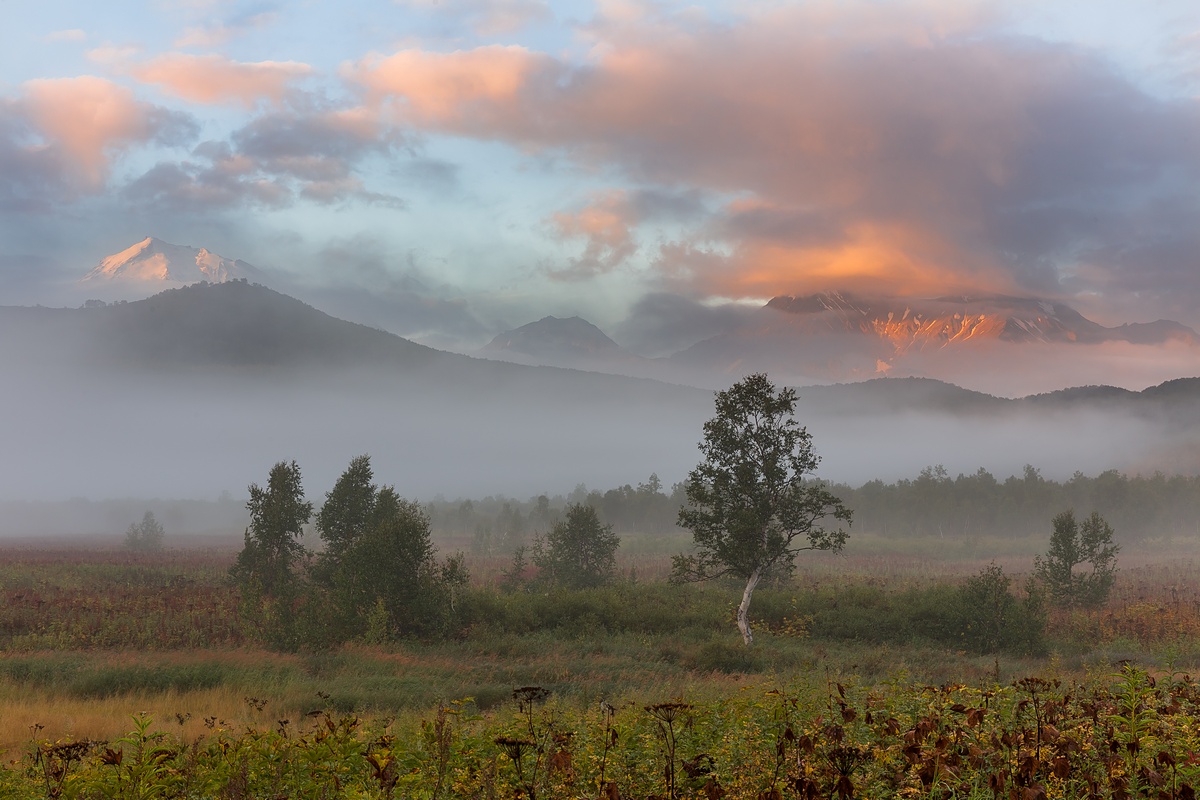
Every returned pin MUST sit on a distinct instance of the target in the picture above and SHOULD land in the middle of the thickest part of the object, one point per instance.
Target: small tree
(269, 560)
(145, 537)
(993, 619)
(345, 515)
(380, 561)
(578, 552)
(750, 507)
(1073, 544)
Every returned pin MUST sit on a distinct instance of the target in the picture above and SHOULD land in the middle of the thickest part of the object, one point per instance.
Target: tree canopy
(578, 552)
(1073, 544)
(345, 515)
(273, 551)
(146, 536)
(750, 506)
(380, 561)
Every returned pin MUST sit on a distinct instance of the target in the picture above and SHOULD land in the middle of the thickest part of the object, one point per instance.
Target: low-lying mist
(512, 431)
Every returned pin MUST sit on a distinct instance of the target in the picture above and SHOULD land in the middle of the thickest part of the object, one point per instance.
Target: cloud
(311, 146)
(221, 184)
(903, 148)
(272, 161)
(67, 35)
(218, 33)
(364, 280)
(69, 130)
(608, 221)
(467, 91)
(113, 55)
(604, 224)
(214, 79)
(660, 323)
(487, 17)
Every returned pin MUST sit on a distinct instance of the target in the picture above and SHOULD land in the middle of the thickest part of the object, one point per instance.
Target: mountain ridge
(211, 383)
(241, 324)
(942, 321)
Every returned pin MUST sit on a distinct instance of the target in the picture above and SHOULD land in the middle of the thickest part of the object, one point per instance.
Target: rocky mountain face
(945, 321)
(1003, 345)
(834, 336)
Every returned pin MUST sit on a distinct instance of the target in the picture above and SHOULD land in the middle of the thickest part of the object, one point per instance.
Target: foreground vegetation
(1121, 735)
(89, 637)
(371, 668)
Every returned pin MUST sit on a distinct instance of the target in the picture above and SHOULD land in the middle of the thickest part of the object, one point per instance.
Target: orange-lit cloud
(88, 120)
(605, 225)
(871, 261)
(215, 79)
(467, 90)
(898, 147)
(797, 256)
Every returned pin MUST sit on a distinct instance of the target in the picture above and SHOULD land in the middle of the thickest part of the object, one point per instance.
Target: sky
(454, 168)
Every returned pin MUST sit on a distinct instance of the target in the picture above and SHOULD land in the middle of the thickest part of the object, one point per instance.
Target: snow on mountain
(908, 325)
(155, 261)
(1001, 345)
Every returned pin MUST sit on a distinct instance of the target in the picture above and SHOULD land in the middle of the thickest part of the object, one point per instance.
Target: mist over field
(197, 436)
(197, 392)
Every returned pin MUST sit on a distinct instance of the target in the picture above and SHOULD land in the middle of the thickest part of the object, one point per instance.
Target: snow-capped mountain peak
(908, 324)
(155, 261)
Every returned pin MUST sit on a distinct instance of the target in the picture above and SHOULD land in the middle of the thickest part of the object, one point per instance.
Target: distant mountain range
(946, 321)
(1005, 345)
(201, 388)
(236, 326)
(838, 337)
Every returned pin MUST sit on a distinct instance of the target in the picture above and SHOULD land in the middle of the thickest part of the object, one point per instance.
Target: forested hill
(233, 324)
(1180, 397)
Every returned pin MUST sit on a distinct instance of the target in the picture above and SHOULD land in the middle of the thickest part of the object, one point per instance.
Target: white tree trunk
(743, 612)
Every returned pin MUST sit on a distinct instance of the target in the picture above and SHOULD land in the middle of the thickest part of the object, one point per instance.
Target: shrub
(1073, 544)
(993, 619)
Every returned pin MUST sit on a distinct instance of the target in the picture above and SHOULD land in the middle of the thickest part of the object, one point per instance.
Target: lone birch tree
(750, 507)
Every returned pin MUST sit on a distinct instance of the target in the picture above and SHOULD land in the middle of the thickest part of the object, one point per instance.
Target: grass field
(93, 637)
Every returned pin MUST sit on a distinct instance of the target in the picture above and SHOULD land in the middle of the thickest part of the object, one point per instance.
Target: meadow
(134, 675)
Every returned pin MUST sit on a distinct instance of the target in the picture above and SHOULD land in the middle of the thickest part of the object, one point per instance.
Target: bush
(146, 537)
(722, 656)
(994, 620)
(1073, 544)
(578, 552)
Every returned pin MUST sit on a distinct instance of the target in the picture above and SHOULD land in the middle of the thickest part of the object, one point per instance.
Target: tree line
(377, 577)
(979, 504)
(934, 503)
(751, 507)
